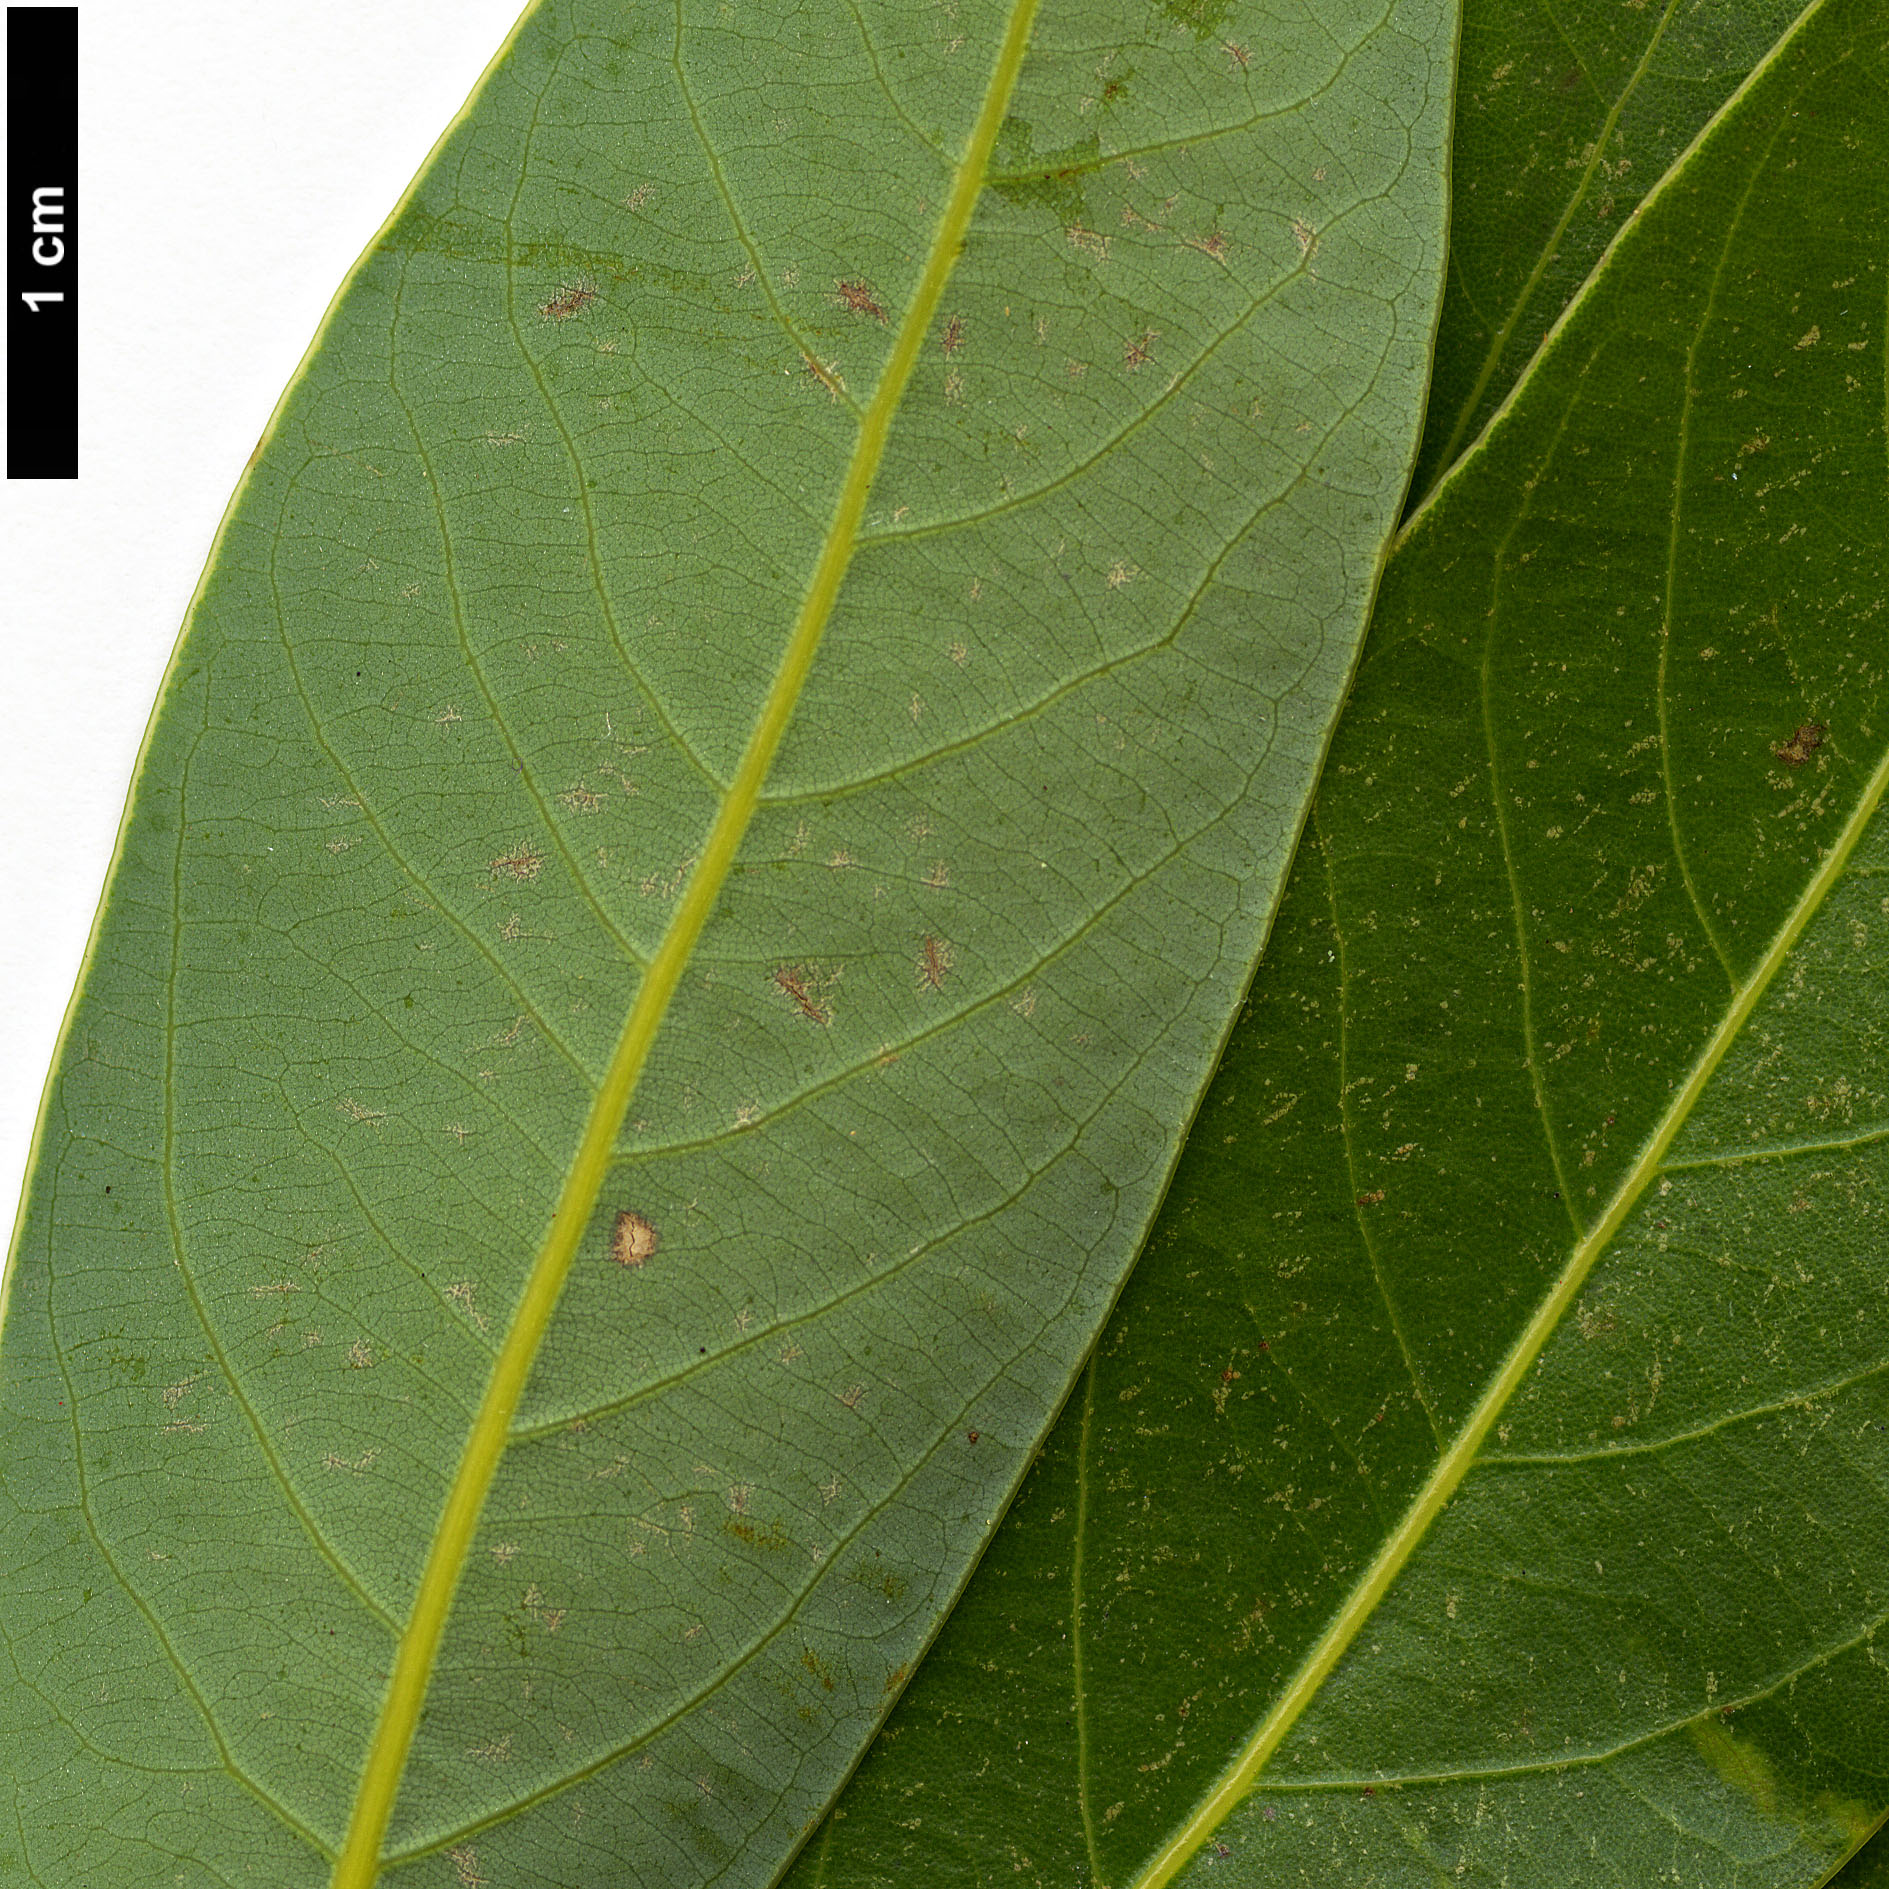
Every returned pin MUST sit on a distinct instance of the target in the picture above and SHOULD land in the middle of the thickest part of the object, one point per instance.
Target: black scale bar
(42, 202)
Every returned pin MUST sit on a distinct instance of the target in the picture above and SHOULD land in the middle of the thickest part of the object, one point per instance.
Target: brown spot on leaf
(1138, 353)
(571, 299)
(827, 373)
(522, 862)
(634, 1239)
(1373, 1199)
(465, 1862)
(934, 963)
(1803, 744)
(806, 988)
(953, 335)
(859, 299)
(770, 1539)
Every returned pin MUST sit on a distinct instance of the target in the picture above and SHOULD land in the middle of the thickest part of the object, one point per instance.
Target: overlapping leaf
(724, 568)
(1868, 1868)
(1565, 118)
(1485, 1478)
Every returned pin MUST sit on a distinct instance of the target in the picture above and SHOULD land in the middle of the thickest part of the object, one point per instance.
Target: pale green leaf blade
(1437, 1206)
(727, 775)
(1565, 118)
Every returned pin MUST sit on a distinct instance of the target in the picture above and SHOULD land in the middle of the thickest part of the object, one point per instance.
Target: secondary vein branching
(1323, 848)
(412, 1673)
(1442, 1483)
(1596, 157)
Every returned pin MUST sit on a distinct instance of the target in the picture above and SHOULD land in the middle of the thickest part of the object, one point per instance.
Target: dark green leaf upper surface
(559, 502)
(1566, 116)
(1868, 1868)
(1578, 989)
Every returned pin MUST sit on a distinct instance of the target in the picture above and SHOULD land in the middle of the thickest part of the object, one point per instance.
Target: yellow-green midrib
(360, 1859)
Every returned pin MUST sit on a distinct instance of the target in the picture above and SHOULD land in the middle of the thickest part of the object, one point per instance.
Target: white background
(234, 159)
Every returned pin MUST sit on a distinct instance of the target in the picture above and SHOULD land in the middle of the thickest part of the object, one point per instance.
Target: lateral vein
(1448, 1474)
(412, 1673)
(1563, 321)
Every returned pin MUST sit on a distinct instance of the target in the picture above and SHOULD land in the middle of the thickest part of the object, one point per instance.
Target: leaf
(1483, 1477)
(704, 835)
(1868, 1868)
(1565, 118)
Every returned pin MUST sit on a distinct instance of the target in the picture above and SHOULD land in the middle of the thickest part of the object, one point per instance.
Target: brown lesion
(805, 987)
(634, 1239)
(953, 335)
(934, 963)
(1139, 352)
(1803, 744)
(570, 301)
(856, 296)
(827, 373)
(522, 862)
